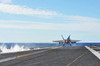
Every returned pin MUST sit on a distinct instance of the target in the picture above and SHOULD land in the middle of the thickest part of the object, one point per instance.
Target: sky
(47, 20)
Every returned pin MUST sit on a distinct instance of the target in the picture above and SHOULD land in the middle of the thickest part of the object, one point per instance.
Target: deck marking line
(7, 59)
(25, 55)
(33, 53)
(76, 58)
(53, 48)
(97, 54)
(11, 58)
(30, 54)
(49, 49)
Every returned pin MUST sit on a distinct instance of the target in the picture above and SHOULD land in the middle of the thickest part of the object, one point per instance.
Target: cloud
(72, 23)
(22, 10)
(5, 1)
(79, 19)
(82, 26)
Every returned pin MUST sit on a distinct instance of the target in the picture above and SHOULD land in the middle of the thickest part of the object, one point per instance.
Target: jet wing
(74, 41)
(85, 44)
(58, 41)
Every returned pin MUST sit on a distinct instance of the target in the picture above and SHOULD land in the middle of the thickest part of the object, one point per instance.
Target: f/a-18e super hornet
(66, 41)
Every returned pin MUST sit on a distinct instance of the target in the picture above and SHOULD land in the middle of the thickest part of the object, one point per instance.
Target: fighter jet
(66, 41)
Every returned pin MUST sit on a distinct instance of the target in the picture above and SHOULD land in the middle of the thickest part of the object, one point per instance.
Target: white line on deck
(97, 54)
(12, 58)
(7, 59)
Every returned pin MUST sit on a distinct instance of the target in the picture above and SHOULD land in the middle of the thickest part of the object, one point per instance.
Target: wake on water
(15, 48)
(12, 48)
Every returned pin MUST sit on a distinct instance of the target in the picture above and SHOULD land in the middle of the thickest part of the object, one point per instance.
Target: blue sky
(46, 20)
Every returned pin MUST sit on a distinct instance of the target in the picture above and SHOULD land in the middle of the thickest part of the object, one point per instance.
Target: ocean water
(19, 47)
(9, 45)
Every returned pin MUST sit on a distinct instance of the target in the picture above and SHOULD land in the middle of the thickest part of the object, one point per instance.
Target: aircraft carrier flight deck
(59, 56)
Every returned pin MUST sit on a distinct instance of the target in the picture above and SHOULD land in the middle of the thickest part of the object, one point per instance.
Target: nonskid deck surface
(96, 48)
(61, 56)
